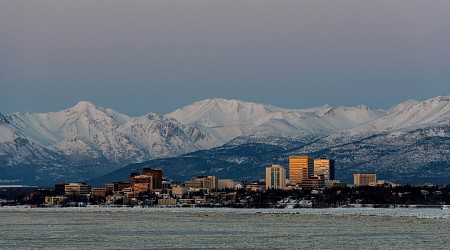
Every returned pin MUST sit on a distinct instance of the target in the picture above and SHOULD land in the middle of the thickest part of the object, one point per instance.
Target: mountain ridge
(87, 135)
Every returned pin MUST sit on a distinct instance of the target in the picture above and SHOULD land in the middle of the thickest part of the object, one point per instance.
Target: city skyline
(158, 56)
(224, 124)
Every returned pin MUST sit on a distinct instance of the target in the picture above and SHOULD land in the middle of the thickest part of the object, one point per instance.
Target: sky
(155, 56)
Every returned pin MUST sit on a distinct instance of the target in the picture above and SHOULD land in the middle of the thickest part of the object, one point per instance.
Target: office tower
(300, 168)
(325, 167)
(275, 177)
(157, 176)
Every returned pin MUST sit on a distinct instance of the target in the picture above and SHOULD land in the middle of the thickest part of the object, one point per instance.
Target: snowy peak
(224, 119)
(82, 120)
(88, 109)
(221, 112)
(432, 111)
(85, 119)
(83, 105)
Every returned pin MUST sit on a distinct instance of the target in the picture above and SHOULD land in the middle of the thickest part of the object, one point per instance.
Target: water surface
(224, 228)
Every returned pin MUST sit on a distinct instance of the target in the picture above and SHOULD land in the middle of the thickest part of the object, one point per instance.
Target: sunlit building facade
(142, 184)
(325, 167)
(300, 168)
(275, 177)
(76, 189)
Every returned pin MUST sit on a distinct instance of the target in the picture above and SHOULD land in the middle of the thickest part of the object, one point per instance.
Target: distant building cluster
(304, 172)
(149, 186)
(306, 182)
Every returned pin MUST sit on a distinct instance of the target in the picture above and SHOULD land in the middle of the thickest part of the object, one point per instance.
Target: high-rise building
(364, 179)
(275, 177)
(300, 168)
(157, 176)
(325, 167)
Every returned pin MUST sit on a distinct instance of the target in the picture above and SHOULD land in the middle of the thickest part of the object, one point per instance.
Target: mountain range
(409, 142)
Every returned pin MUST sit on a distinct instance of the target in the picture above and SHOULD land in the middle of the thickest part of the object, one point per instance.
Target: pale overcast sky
(142, 56)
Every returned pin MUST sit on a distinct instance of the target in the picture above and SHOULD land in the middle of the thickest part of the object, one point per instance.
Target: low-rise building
(179, 190)
(203, 183)
(77, 188)
(256, 186)
(334, 184)
(313, 182)
(386, 183)
(54, 200)
(119, 186)
(167, 202)
(226, 183)
(110, 187)
(99, 191)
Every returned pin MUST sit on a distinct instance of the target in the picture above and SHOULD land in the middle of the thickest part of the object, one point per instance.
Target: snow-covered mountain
(90, 140)
(228, 119)
(85, 131)
(408, 116)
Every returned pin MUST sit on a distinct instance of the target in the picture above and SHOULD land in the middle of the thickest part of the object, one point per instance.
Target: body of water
(153, 228)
